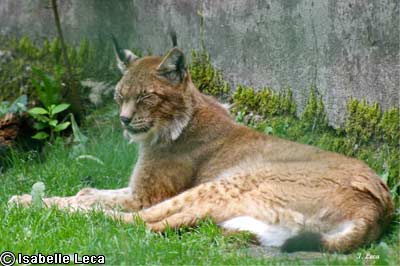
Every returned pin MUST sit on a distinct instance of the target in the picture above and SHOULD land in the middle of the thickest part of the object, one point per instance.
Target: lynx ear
(124, 57)
(173, 66)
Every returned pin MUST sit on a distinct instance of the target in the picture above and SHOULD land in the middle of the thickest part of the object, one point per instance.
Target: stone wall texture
(343, 48)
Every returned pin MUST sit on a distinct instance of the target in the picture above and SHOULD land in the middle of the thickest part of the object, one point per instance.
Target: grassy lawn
(30, 230)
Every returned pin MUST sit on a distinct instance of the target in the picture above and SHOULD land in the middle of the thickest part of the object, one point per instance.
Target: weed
(264, 102)
(206, 78)
(46, 118)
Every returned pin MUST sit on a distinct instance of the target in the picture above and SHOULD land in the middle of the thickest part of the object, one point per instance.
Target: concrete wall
(342, 47)
(93, 19)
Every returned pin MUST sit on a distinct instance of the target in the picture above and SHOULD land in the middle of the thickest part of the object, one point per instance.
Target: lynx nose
(125, 120)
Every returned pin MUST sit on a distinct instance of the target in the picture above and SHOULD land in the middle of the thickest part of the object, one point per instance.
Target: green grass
(30, 230)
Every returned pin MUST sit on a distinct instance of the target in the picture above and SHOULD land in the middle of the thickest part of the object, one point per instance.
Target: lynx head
(153, 95)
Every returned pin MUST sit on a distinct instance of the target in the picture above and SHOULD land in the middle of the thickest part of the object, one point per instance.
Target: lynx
(196, 162)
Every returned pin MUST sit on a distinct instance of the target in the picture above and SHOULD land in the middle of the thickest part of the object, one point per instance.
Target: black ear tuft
(173, 66)
(174, 38)
(124, 57)
(117, 49)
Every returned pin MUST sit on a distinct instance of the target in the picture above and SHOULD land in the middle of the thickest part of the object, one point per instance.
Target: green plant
(37, 194)
(265, 102)
(79, 141)
(362, 121)
(46, 118)
(205, 77)
(389, 127)
(48, 88)
(313, 117)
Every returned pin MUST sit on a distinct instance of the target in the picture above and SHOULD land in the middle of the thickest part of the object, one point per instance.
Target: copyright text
(8, 258)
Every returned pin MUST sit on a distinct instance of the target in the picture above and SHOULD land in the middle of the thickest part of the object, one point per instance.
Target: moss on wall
(314, 117)
(206, 78)
(264, 102)
(362, 121)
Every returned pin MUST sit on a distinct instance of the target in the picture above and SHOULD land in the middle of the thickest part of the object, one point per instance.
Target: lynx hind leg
(350, 235)
(209, 200)
(218, 200)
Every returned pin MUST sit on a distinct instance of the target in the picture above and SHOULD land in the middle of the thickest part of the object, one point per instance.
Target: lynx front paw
(22, 200)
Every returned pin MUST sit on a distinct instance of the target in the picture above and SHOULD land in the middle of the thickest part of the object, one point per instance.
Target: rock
(8, 129)
(12, 127)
